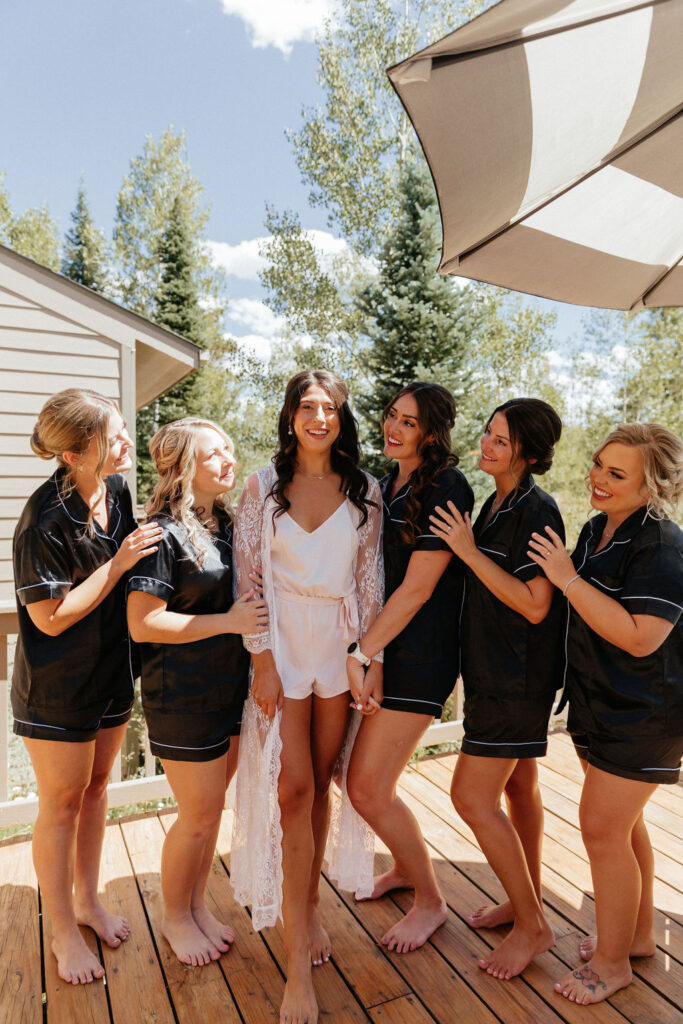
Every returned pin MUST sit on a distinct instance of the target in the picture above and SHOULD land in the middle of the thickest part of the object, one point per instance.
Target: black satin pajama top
(88, 664)
(503, 654)
(611, 692)
(423, 660)
(207, 675)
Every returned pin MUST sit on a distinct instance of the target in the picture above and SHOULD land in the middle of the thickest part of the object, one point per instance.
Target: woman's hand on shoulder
(266, 687)
(550, 553)
(455, 529)
(137, 544)
(249, 614)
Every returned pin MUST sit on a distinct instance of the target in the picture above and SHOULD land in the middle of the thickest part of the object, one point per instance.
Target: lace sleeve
(247, 551)
(369, 568)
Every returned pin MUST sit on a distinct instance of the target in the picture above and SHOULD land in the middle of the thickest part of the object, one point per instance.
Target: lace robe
(256, 854)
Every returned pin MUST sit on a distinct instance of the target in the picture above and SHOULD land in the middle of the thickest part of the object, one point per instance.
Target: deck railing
(23, 810)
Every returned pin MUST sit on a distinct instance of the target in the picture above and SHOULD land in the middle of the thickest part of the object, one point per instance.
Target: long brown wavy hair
(345, 451)
(436, 413)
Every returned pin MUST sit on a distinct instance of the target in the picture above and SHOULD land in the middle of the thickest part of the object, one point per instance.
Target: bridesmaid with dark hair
(418, 628)
(511, 649)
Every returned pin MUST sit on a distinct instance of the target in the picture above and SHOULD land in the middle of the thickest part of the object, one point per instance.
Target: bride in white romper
(311, 523)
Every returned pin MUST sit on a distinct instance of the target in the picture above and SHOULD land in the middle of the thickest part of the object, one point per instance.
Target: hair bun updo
(535, 428)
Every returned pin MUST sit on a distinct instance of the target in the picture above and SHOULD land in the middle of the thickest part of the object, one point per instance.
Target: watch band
(354, 651)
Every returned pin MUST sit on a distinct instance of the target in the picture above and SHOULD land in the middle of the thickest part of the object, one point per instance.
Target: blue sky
(84, 81)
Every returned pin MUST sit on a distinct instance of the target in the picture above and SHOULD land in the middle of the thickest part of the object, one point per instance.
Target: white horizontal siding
(38, 383)
(42, 363)
(43, 341)
(32, 319)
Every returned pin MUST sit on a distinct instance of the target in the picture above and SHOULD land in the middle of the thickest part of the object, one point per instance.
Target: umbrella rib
(654, 127)
(657, 281)
(443, 59)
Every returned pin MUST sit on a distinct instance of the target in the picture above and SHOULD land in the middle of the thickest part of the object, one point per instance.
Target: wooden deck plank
(134, 975)
(405, 1010)
(434, 981)
(197, 993)
(21, 984)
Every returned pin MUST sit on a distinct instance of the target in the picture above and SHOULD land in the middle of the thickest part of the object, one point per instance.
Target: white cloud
(280, 23)
(255, 315)
(244, 261)
(241, 260)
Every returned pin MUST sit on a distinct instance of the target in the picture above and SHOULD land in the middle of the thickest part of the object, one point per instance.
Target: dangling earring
(289, 431)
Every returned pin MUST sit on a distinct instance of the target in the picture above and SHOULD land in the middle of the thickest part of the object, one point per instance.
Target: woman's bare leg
(381, 751)
(525, 811)
(217, 932)
(329, 720)
(63, 772)
(478, 784)
(111, 928)
(295, 791)
(644, 938)
(199, 788)
(610, 808)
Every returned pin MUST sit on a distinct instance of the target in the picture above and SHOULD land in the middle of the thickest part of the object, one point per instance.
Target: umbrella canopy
(554, 133)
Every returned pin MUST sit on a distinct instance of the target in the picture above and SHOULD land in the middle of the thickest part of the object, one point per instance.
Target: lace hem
(256, 853)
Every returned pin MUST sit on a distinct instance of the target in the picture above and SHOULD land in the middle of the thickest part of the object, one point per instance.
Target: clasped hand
(365, 686)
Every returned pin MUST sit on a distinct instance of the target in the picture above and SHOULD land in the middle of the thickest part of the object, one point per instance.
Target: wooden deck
(440, 982)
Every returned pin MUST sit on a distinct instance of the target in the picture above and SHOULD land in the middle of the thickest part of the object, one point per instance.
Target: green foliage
(33, 233)
(156, 178)
(84, 258)
(349, 149)
(652, 390)
(414, 320)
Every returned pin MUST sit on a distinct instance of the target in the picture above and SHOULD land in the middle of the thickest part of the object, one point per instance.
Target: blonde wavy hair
(68, 422)
(662, 453)
(174, 451)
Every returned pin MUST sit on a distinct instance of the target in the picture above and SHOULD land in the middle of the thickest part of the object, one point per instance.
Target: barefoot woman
(418, 627)
(624, 683)
(511, 647)
(72, 688)
(312, 522)
(194, 666)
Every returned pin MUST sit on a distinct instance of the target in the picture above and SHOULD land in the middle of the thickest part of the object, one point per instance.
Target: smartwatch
(354, 651)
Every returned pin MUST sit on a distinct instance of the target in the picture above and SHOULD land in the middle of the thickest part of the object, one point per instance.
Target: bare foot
(111, 929)
(218, 933)
(318, 939)
(516, 951)
(188, 942)
(589, 943)
(387, 882)
(75, 963)
(591, 985)
(492, 917)
(299, 1005)
(414, 929)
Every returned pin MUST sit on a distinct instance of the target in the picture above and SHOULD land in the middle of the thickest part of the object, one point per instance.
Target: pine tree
(177, 307)
(415, 319)
(84, 258)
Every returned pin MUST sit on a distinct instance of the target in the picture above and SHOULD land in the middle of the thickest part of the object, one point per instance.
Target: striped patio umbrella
(554, 133)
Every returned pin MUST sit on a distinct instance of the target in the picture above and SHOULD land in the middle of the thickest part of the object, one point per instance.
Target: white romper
(315, 602)
(323, 589)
